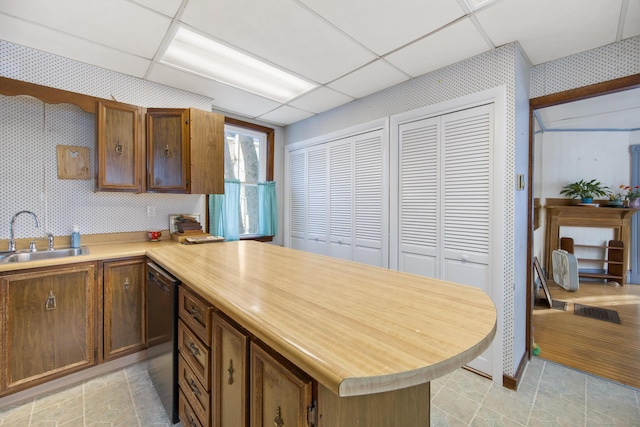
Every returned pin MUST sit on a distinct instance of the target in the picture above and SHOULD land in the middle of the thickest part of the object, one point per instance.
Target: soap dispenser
(75, 237)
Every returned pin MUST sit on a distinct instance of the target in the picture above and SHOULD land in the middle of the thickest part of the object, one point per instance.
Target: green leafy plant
(585, 189)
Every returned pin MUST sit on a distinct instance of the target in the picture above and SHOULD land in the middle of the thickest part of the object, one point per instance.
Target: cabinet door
(418, 233)
(49, 324)
(167, 150)
(297, 206)
(280, 395)
(341, 205)
(317, 200)
(206, 149)
(230, 375)
(125, 328)
(119, 155)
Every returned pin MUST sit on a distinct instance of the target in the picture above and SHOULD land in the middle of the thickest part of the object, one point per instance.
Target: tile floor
(550, 395)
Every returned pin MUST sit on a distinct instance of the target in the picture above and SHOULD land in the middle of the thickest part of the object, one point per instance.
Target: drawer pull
(230, 370)
(277, 421)
(50, 304)
(118, 148)
(193, 349)
(194, 388)
(193, 310)
(192, 422)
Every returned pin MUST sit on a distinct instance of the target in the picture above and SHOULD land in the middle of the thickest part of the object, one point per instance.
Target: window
(248, 158)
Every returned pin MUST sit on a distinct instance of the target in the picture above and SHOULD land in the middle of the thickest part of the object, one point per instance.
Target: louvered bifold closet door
(370, 200)
(418, 197)
(341, 198)
(298, 199)
(317, 199)
(466, 195)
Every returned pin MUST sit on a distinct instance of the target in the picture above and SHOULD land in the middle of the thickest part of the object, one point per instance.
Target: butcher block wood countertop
(355, 329)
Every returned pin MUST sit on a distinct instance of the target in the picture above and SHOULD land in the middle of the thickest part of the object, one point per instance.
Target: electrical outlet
(151, 211)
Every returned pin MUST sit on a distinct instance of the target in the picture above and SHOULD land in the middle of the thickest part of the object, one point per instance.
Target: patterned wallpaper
(30, 131)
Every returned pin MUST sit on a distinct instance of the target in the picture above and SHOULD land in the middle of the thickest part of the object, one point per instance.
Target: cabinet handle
(193, 310)
(118, 148)
(167, 152)
(230, 370)
(194, 388)
(192, 422)
(126, 283)
(193, 349)
(50, 304)
(277, 421)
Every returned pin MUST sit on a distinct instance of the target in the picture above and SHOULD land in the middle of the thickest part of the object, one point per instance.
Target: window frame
(270, 133)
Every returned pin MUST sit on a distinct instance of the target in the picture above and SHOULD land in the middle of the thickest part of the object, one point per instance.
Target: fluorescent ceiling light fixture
(200, 55)
(477, 4)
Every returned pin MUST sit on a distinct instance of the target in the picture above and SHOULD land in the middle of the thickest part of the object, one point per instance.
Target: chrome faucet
(12, 240)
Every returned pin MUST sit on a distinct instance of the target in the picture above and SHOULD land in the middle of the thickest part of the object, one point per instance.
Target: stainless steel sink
(36, 256)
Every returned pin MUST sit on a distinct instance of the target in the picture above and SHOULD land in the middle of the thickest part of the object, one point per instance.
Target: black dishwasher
(162, 332)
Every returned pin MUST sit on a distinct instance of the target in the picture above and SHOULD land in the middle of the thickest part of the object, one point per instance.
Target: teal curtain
(268, 213)
(224, 211)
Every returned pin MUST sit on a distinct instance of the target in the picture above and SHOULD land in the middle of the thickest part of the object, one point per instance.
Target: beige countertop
(356, 329)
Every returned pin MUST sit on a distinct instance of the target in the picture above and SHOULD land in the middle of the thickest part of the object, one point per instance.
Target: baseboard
(512, 382)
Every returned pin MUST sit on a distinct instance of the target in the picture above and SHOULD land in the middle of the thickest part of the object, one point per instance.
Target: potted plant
(633, 195)
(586, 190)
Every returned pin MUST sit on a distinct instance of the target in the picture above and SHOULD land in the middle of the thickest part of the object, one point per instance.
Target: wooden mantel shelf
(619, 219)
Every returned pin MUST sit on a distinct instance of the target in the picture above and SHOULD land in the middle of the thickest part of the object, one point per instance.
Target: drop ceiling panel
(320, 100)
(367, 80)
(285, 115)
(166, 7)
(551, 29)
(282, 32)
(225, 98)
(41, 38)
(120, 24)
(450, 45)
(632, 20)
(385, 25)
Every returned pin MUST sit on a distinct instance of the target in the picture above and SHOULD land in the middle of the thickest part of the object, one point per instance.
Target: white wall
(570, 156)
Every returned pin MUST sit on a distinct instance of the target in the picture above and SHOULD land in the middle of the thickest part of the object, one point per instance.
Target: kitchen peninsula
(368, 339)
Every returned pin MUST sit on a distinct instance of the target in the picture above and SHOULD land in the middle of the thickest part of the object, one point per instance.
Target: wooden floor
(598, 347)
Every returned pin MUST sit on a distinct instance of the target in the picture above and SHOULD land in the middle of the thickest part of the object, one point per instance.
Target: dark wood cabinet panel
(230, 375)
(125, 329)
(49, 324)
(185, 151)
(119, 148)
(280, 395)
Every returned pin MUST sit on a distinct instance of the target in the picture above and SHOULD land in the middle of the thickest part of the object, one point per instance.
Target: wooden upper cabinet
(119, 147)
(185, 151)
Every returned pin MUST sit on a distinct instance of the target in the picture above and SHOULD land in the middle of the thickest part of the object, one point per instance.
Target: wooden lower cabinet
(280, 395)
(186, 413)
(125, 316)
(47, 324)
(230, 375)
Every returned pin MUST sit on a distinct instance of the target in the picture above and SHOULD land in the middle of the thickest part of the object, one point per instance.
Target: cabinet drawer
(186, 413)
(194, 391)
(196, 314)
(196, 354)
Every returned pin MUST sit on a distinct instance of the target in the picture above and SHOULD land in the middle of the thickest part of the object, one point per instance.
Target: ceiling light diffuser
(200, 55)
